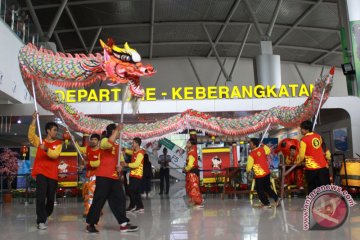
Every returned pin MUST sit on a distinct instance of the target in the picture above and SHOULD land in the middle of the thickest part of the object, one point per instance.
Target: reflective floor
(169, 217)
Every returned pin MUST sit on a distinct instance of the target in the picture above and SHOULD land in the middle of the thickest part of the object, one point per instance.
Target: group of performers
(102, 173)
(103, 168)
(312, 153)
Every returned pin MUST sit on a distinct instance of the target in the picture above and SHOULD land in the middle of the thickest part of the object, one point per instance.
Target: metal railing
(26, 194)
(19, 21)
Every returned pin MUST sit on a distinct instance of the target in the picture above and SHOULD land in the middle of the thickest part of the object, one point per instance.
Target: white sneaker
(201, 206)
(42, 226)
(277, 203)
(139, 210)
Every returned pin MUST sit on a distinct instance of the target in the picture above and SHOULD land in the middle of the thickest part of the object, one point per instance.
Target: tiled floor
(171, 218)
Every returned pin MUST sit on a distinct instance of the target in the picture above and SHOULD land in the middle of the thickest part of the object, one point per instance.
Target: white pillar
(268, 66)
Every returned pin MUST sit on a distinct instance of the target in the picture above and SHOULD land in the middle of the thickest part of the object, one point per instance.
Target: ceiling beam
(326, 54)
(187, 23)
(76, 28)
(37, 25)
(58, 42)
(300, 74)
(152, 21)
(240, 50)
(35, 19)
(297, 22)
(86, 2)
(216, 54)
(56, 19)
(227, 20)
(220, 43)
(254, 18)
(195, 72)
(77, 3)
(218, 77)
(95, 40)
(273, 19)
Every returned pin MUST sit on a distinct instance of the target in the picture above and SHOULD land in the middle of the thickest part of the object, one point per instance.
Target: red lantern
(66, 136)
(24, 150)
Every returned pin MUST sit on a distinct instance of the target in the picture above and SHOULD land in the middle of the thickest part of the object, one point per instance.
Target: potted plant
(8, 168)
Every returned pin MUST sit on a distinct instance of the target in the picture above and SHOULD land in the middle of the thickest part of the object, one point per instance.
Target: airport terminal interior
(179, 119)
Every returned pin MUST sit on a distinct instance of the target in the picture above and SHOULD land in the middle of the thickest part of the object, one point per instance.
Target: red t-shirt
(314, 155)
(108, 163)
(92, 156)
(137, 172)
(193, 153)
(45, 165)
(261, 166)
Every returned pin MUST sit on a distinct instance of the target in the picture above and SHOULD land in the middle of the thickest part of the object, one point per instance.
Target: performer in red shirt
(296, 176)
(257, 161)
(92, 162)
(316, 166)
(108, 184)
(45, 170)
(192, 175)
(136, 173)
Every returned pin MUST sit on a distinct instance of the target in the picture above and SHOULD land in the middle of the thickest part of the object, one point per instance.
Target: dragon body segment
(123, 65)
(192, 119)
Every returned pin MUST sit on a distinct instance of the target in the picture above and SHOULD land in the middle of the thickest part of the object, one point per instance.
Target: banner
(272, 158)
(24, 168)
(177, 154)
(355, 39)
(68, 167)
(215, 161)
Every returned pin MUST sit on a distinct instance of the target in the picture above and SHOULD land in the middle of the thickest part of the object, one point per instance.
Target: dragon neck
(60, 69)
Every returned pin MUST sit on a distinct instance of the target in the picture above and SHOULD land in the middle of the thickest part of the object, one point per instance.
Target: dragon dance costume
(45, 171)
(192, 177)
(316, 165)
(258, 163)
(93, 162)
(123, 66)
(89, 188)
(297, 175)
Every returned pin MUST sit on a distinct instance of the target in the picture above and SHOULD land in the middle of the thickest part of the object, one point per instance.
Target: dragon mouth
(136, 90)
(125, 73)
(133, 82)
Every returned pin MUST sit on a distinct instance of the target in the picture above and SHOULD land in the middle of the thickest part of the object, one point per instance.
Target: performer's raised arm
(33, 138)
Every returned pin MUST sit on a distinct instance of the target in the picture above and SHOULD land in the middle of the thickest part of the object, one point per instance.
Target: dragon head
(123, 65)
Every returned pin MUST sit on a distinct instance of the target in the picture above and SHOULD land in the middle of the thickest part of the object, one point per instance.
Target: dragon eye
(125, 58)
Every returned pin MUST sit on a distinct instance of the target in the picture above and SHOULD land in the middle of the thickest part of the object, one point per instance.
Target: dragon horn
(105, 46)
(127, 47)
(332, 70)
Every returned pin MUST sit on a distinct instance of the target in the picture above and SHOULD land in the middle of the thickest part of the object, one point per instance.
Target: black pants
(317, 178)
(112, 191)
(45, 197)
(135, 193)
(164, 176)
(145, 185)
(262, 186)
